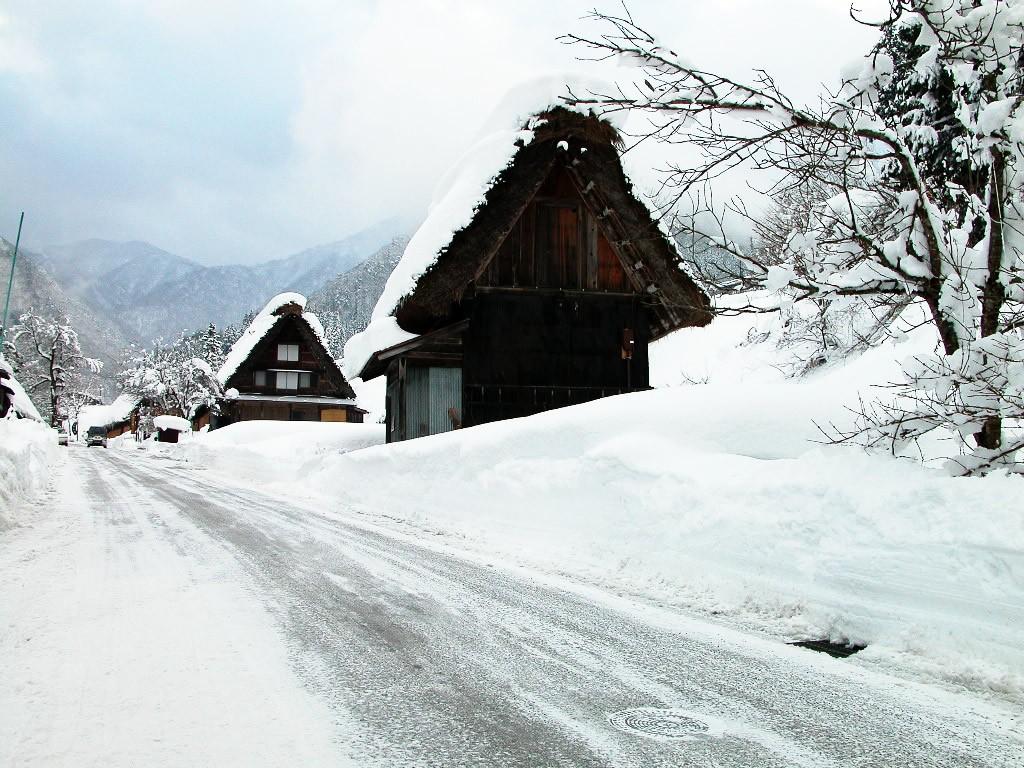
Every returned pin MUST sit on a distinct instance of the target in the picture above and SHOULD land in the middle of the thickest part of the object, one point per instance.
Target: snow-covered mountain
(100, 334)
(111, 274)
(150, 293)
(344, 304)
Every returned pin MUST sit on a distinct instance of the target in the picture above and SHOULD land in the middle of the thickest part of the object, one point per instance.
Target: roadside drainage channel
(836, 650)
(661, 724)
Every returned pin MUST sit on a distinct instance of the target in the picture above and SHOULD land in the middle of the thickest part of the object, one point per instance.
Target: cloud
(19, 54)
(236, 131)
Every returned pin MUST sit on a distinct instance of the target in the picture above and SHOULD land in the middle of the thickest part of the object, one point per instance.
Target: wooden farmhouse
(280, 369)
(549, 296)
(123, 416)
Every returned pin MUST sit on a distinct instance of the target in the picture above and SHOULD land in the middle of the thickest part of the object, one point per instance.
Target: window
(288, 352)
(259, 378)
(293, 379)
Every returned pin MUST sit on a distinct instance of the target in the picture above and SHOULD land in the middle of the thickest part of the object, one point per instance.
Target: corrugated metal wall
(445, 393)
(429, 393)
(417, 402)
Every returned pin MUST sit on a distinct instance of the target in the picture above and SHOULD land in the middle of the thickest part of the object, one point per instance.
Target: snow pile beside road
(718, 496)
(712, 492)
(27, 449)
(275, 451)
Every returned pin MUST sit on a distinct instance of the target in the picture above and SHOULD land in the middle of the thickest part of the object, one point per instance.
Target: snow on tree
(47, 357)
(920, 153)
(176, 378)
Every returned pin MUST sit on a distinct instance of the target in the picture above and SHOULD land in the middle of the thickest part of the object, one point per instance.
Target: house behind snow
(547, 296)
(280, 369)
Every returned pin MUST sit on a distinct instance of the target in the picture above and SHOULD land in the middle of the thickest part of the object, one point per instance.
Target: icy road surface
(152, 615)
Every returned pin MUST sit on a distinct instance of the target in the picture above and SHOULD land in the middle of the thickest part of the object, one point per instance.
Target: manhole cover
(661, 723)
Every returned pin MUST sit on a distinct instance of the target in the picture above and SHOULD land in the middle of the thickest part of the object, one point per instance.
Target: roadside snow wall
(713, 493)
(647, 494)
(27, 449)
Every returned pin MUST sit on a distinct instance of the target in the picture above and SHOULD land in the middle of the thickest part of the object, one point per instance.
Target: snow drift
(262, 452)
(27, 449)
(714, 493)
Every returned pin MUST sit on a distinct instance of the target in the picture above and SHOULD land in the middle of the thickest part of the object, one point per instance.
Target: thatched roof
(587, 147)
(467, 226)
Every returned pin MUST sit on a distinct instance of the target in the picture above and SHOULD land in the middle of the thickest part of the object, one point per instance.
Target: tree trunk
(993, 294)
(947, 333)
(991, 434)
(53, 390)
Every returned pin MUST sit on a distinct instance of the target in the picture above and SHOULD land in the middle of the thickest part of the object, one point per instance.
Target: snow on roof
(109, 414)
(260, 327)
(172, 422)
(23, 405)
(456, 199)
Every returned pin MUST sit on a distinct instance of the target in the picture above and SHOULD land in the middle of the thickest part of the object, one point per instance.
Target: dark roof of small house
(587, 147)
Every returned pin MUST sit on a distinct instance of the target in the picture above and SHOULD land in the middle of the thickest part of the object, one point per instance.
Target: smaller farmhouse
(123, 416)
(280, 369)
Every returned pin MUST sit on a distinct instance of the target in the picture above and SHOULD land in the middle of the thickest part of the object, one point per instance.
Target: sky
(244, 130)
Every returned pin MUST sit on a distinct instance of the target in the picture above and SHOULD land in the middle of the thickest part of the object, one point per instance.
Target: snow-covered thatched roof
(262, 324)
(172, 422)
(109, 414)
(482, 198)
(21, 402)
(285, 307)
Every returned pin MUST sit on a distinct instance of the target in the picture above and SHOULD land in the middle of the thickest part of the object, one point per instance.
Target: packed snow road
(154, 614)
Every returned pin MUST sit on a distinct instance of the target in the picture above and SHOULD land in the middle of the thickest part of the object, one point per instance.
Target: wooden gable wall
(264, 357)
(557, 244)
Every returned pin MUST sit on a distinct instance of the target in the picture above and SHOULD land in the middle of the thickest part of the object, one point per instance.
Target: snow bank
(714, 493)
(27, 449)
(717, 499)
(268, 452)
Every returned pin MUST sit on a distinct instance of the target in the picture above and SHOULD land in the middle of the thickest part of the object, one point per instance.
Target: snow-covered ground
(128, 638)
(155, 613)
(711, 492)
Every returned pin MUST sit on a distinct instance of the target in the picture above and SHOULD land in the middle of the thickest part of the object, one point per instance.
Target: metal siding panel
(445, 393)
(417, 399)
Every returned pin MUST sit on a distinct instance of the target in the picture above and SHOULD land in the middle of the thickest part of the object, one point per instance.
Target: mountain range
(344, 304)
(122, 293)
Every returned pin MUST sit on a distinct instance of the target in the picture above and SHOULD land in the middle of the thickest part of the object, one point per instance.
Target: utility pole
(10, 281)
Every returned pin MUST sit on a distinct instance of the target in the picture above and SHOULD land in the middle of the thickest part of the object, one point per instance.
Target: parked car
(62, 438)
(96, 436)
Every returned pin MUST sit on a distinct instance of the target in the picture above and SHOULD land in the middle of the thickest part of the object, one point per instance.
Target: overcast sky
(240, 131)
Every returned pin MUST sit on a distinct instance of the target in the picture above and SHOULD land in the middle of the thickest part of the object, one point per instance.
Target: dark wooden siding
(530, 352)
(265, 359)
(557, 244)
